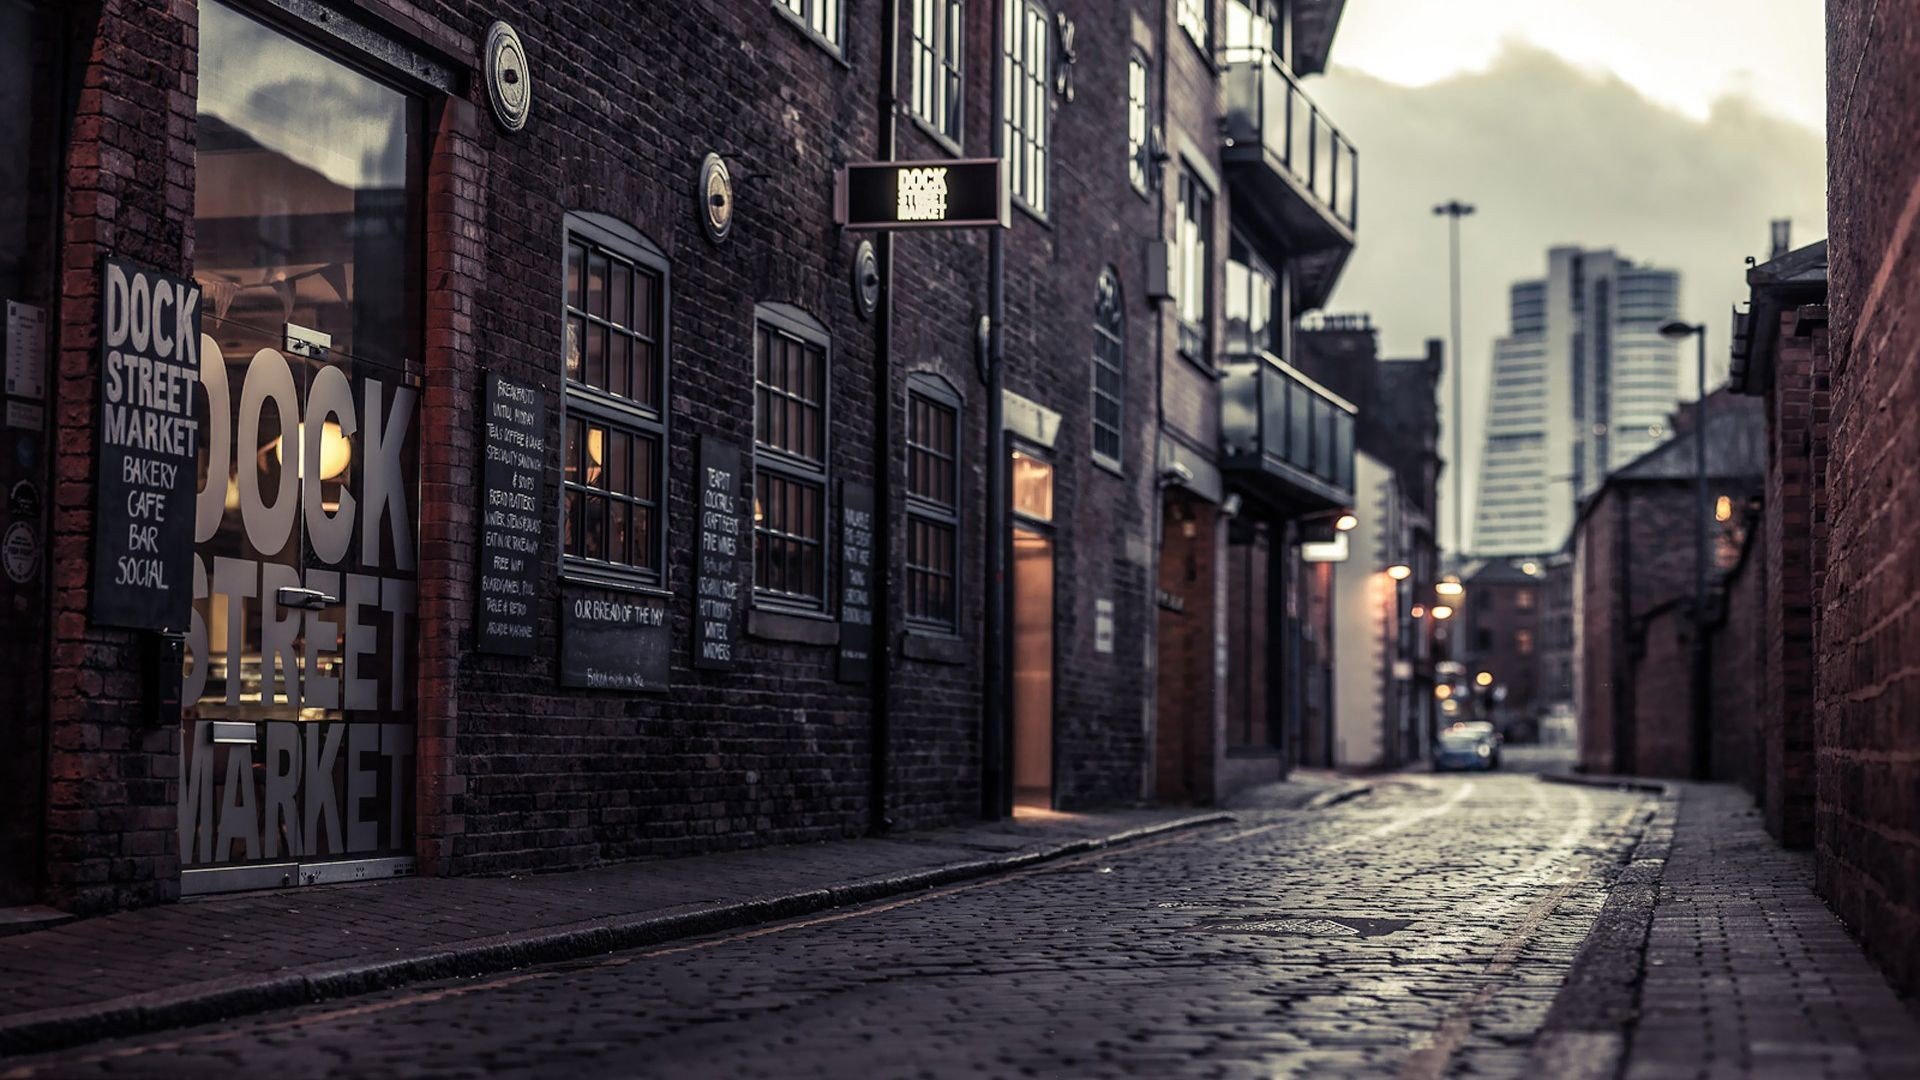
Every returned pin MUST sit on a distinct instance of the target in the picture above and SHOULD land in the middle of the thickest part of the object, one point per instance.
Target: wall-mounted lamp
(1399, 571)
(1442, 612)
(1346, 523)
(1449, 586)
(1485, 678)
(1230, 506)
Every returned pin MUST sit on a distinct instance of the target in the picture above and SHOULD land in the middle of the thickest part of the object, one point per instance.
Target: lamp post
(1453, 211)
(1702, 733)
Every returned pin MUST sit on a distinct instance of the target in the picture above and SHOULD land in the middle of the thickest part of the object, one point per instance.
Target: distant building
(1502, 613)
(1582, 384)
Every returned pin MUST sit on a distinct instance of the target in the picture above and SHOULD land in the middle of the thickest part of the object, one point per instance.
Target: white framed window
(1024, 67)
(1197, 22)
(1109, 368)
(939, 45)
(826, 19)
(1192, 265)
(1139, 148)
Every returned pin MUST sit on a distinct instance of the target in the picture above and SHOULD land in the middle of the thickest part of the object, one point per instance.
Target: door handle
(309, 599)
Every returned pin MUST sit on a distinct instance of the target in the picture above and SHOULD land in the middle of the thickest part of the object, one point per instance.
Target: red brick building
(1866, 685)
(526, 509)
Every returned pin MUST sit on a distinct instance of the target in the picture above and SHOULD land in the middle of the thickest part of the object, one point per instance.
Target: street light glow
(1399, 571)
(1346, 523)
(1485, 678)
(1442, 611)
(1443, 691)
(1449, 586)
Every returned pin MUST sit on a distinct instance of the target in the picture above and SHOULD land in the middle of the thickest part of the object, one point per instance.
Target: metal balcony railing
(1279, 421)
(1267, 108)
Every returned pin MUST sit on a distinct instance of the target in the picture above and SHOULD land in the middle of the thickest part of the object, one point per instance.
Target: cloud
(1553, 153)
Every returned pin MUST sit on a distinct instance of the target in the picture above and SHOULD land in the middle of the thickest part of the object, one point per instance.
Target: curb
(1334, 798)
(1587, 1028)
(1616, 783)
(219, 999)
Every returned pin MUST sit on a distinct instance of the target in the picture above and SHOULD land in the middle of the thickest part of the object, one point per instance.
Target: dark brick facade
(516, 774)
(1867, 686)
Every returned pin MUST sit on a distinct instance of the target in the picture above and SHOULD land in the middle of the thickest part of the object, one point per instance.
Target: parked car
(1464, 746)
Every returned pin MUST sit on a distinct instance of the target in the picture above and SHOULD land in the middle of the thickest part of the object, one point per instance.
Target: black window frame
(1109, 354)
(927, 511)
(600, 405)
(833, 39)
(784, 321)
(944, 57)
(1029, 153)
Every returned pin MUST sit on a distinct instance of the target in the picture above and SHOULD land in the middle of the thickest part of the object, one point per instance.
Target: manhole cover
(1308, 927)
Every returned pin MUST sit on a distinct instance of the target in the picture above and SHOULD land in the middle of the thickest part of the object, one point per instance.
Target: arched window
(1109, 369)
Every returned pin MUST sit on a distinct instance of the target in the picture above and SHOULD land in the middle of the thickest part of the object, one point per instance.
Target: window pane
(593, 536)
(619, 363)
(596, 284)
(620, 291)
(576, 260)
(596, 355)
(617, 518)
(619, 459)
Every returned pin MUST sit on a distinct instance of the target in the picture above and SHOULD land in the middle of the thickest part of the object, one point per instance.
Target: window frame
(1110, 327)
(1018, 71)
(789, 321)
(947, 58)
(942, 394)
(1140, 150)
(596, 404)
(1202, 34)
(835, 42)
(1195, 339)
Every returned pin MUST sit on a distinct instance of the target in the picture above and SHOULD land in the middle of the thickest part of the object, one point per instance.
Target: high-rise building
(1582, 384)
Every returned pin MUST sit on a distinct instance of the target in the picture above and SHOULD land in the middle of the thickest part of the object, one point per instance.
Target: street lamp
(1442, 612)
(1678, 330)
(1449, 587)
(1345, 523)
(1399, 571)
(1453, 210)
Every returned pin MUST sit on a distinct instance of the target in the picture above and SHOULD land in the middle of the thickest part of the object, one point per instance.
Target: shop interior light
(1346, 523)
(336, 450)
(1399, 571)
(1723, 509)
(1449, 586)
(1485, 678)
(1442, 611)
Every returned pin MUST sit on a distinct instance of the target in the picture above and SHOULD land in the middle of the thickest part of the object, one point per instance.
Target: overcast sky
(1670, 130)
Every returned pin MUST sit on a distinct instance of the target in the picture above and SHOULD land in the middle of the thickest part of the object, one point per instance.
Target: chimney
(1781, 229)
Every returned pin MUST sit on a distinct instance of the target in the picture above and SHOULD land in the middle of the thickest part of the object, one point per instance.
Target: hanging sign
(510, 516)
(945, 194)
(720, 536)
(856, 582)
(146, 448)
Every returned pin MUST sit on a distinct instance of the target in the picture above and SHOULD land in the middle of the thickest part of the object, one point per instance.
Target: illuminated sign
(922, 195)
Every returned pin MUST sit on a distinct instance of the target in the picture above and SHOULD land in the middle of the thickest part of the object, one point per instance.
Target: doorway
(1032, 611)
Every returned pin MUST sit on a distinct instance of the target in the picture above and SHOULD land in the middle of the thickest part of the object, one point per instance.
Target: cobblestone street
(1420, 930)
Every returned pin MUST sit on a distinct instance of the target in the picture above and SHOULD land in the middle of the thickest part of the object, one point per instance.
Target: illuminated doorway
(1032, 632)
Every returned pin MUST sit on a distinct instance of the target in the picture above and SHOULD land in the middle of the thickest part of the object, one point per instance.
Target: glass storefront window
(299, 681)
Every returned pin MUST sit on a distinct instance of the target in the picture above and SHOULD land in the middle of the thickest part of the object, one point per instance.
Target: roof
(1502, 571)
(1736, 450)
(1792, 280)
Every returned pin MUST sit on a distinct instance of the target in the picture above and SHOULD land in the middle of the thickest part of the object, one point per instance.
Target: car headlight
(1485, 750)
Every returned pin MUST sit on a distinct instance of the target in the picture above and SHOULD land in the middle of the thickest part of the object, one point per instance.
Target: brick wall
(1795, 527)
(1868, 685)
(1660, 680)
(1737, 652)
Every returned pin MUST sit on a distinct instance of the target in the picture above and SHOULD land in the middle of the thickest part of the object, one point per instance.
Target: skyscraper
(1582, 384)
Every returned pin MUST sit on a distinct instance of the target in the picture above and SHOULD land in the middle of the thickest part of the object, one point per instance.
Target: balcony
(1285, 437)
(1302, 173)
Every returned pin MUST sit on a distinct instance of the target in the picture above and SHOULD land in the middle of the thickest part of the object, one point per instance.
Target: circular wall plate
(866, 280)
(715, 191)
(508, 82)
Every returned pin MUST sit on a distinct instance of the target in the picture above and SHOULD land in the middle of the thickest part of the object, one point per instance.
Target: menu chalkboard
(515, 445)
(856, 582)
(146, 448)
(720, 536)
(614, 643)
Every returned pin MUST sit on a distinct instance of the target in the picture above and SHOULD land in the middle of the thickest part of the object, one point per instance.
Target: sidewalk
(1747, 971)
(205, 959)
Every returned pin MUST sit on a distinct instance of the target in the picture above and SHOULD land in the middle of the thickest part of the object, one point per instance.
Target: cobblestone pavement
(1421, 930)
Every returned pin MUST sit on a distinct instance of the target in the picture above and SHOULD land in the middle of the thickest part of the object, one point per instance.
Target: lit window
(1109, 368)
(1523, 642)
(933, 504)
(615, 423)
(789, 461)
(1027, 103)
(939, 43)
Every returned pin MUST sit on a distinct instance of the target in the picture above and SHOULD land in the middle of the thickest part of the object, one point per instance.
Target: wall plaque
(856, 582)
(614, 642)
(146, 448)
(721, 537)
(515, 442)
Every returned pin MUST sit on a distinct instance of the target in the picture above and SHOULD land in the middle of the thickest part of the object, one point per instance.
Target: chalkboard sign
(614, 642)
(146, 447)
(856, 582)
(721, 537)
(515, 445)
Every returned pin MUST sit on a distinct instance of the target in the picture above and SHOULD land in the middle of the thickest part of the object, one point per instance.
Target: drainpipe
(996, 793)
(879, 820)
